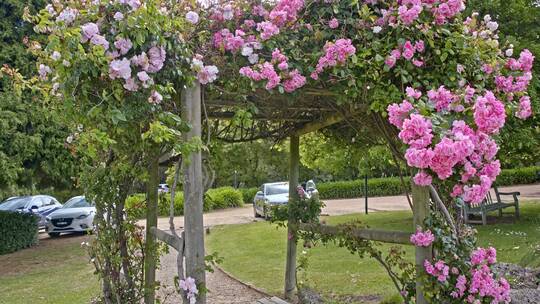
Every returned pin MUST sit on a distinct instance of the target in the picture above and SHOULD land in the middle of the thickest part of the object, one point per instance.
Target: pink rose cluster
(146, 63)
(205, 73)
(460, 149)
(442, 11)
(439, 270)
(189, 286)
(285, 11)
(481, 284)
(292, 79)
(422, 238)
(335, 53)
(122, 68)
(407, 51)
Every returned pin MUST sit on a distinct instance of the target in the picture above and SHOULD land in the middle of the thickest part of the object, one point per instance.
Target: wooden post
(193, 193)
(290, 269)
(150, 258)
(421, 211)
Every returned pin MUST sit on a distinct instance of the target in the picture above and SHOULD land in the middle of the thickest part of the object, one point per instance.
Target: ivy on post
(290, 270)
(150, 249)
(420, 196)
(193, 192)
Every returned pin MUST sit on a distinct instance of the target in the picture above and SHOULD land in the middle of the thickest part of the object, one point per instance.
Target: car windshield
(77, 202)
(277, 189)
(15, 203)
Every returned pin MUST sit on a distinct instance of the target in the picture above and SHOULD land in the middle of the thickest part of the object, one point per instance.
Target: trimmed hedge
(219, 198)
(17, 231)
(392, 185)
(355, 188)
(520, 176)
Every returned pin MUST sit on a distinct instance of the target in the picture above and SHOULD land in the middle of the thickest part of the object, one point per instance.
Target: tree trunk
(193, 194)
(290, 270)
(421, 211)
(151, 221)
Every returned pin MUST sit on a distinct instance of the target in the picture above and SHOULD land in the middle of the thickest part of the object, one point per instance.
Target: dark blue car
(41, 205)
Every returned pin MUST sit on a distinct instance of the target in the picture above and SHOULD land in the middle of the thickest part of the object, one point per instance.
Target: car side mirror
(34, 209)
(259, 193)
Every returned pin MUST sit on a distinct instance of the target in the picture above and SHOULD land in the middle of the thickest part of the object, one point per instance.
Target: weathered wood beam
(386, 236)
(420, 197)
(317, 125)
(169, 239)
(193, 192)
(273, 106)
(231, 115)
(150, 258)
(290, 267)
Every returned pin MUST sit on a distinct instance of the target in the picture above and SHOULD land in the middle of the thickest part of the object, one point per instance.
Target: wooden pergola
(276, 118)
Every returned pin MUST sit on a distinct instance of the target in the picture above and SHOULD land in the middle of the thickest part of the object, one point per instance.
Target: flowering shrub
(460, 272)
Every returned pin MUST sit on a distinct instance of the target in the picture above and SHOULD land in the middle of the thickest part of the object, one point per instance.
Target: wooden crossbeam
(386, 236)
(169, 239)
(317, 125)
(230, 115)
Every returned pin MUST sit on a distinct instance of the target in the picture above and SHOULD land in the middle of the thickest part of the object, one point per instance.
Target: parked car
(40, 205)
(77, 215)
(274, 194)
(163, 188)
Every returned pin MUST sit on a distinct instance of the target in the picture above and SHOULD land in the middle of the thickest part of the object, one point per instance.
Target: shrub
(225, 197)
(136, 204)
(17, 231)
(248, 194)
(218, 198)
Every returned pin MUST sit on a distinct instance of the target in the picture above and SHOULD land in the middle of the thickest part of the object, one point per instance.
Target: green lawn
(55, 271)
(255, 252)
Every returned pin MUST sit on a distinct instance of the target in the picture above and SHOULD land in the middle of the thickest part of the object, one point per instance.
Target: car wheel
(54, 234)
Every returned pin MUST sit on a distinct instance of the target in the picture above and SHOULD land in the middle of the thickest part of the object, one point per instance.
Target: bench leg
(500, 213)
(517, 211)
(484, 218)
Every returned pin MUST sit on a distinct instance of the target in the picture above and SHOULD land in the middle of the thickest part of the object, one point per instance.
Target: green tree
(32, 153)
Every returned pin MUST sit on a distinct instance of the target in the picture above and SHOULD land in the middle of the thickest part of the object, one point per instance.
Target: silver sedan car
(274, 194)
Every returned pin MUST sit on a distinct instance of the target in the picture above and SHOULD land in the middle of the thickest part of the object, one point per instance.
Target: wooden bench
(489, 204)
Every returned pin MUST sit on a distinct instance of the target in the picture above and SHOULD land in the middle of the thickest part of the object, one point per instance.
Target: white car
(273, 194)
(77, 215)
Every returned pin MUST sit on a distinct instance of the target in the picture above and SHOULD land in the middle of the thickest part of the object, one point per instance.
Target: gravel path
(222, 289)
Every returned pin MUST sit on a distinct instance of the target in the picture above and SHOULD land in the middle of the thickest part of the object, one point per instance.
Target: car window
(76, 202)
(15, 203)
(38, 202)
(48, 201)
(276, 189)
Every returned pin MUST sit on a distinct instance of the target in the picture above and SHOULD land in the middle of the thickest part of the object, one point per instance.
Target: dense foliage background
(33, 157)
